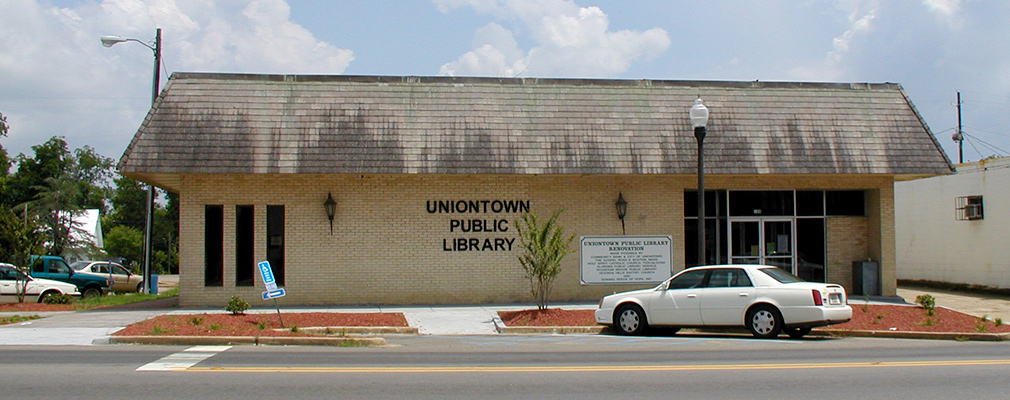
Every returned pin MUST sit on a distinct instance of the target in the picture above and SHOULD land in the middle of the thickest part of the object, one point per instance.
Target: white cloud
(947, 10)
(570, 41)
(56, 79)
(860, 24)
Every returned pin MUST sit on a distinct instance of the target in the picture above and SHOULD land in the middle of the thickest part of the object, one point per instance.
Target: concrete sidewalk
(95, 327)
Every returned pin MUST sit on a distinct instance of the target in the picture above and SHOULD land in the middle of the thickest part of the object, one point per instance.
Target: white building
(954, 228)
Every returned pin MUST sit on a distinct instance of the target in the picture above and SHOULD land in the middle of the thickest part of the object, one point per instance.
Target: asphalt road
(520, 367)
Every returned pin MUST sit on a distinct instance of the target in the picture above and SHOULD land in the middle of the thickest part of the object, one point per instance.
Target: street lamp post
(699, 118)
(109, 41)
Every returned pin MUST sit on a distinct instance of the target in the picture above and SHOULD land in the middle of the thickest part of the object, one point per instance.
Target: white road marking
(184, 359)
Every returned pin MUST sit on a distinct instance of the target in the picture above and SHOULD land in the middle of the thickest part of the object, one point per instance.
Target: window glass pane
(781, 275)
(747, 203)
(244, 246)
(688, 279)
(849, 203)
(810, 249)
(213, 246)
(713, 203)
(275, 241)
(810, 203)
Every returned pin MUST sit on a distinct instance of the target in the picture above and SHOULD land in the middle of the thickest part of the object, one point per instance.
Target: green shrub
(236, 306)
(59, 298)
(927, 302)
(196, 320)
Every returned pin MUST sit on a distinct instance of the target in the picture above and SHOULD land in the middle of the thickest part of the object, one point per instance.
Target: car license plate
(834, 298)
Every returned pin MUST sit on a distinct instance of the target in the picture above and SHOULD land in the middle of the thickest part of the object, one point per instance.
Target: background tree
(19, 238)
(543, 246)
(127, 242)
(5, 162)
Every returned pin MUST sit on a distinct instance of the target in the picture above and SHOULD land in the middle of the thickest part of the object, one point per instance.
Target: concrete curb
(980, 337)
(358, 330)
(251, 340)
(551, 330)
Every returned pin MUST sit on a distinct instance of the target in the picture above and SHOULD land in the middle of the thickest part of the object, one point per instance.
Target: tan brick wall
(847, 241)
(387, 249)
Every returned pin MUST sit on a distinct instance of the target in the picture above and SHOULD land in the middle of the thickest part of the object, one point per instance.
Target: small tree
(544, 245)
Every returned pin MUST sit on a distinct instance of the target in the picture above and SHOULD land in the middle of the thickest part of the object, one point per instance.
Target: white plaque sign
(624, 259)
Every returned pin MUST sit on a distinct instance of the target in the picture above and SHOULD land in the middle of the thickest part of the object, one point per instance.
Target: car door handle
(691, 296)
(744, 294)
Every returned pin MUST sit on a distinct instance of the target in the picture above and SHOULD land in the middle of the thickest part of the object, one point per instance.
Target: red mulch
(247, 325)
(35, 307)
(914, 319)
(548, 317)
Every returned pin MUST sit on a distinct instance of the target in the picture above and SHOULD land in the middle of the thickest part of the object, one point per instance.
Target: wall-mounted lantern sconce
(622, 209)
(331, 209)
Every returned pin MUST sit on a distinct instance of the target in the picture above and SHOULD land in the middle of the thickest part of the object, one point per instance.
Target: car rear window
(781, 275)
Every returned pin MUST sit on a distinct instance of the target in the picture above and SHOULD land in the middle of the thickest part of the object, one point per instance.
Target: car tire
(91, 292)
(797, 333)
(45, 295)
(630, 320)
(764, 321)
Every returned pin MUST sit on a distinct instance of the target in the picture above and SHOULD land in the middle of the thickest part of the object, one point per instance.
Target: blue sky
(57, 79)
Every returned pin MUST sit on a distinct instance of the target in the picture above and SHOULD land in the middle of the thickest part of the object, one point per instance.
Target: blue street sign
(273, 294)
(267, 274)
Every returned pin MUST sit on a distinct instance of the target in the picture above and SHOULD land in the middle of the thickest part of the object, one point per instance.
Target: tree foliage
(20, 237)
(543, 245)
(54, 183)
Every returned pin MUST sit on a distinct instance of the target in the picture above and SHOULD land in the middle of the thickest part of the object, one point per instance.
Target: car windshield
(76, 266)
(781, 275)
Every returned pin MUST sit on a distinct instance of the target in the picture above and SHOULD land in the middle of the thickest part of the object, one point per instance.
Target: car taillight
(818, 301)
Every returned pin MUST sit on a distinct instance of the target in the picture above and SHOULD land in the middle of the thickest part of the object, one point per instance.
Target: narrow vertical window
(213, 246)
(275, 241)
(244, 237)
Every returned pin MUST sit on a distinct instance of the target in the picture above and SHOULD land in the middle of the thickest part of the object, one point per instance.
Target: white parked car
(764, 299)
(122, 279)
(37, 289)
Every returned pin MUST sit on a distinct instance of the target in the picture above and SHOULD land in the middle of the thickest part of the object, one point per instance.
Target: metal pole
(960, 135)
(699, 133)
(149, 221)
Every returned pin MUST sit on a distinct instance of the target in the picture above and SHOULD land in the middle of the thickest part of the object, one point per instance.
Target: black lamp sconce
(622, 210)
(331, 210)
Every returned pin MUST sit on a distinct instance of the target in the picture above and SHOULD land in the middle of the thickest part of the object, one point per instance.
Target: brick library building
(407, 190)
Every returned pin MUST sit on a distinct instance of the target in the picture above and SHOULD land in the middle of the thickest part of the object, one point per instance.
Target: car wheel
(91, 292)
(797, 333)
(45, 295)
(630, 320)
(764, 322)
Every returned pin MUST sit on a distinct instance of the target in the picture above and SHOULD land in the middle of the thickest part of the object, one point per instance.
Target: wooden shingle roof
(248, 124)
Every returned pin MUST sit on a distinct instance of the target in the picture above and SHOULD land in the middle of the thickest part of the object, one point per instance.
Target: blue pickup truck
(56, 268)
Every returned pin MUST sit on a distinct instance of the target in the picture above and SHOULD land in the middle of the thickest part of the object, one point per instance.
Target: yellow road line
(600, 368)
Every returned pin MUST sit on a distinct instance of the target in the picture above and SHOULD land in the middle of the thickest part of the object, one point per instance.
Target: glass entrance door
(762, 241)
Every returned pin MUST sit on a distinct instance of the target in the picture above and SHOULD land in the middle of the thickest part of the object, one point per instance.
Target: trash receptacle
(153, 288)
(866, 278)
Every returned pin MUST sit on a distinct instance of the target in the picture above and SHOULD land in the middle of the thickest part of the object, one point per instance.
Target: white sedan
(764, 299)
(35, 289)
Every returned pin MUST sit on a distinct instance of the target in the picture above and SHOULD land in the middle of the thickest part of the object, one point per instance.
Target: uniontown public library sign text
(468, 232)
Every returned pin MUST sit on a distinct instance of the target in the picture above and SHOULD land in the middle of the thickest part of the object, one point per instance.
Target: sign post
(270, 283)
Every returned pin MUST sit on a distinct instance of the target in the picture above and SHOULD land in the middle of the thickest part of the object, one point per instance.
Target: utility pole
(959, 136)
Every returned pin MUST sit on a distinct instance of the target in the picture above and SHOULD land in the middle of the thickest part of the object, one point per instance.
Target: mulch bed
(548, 317)
(255, 324)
